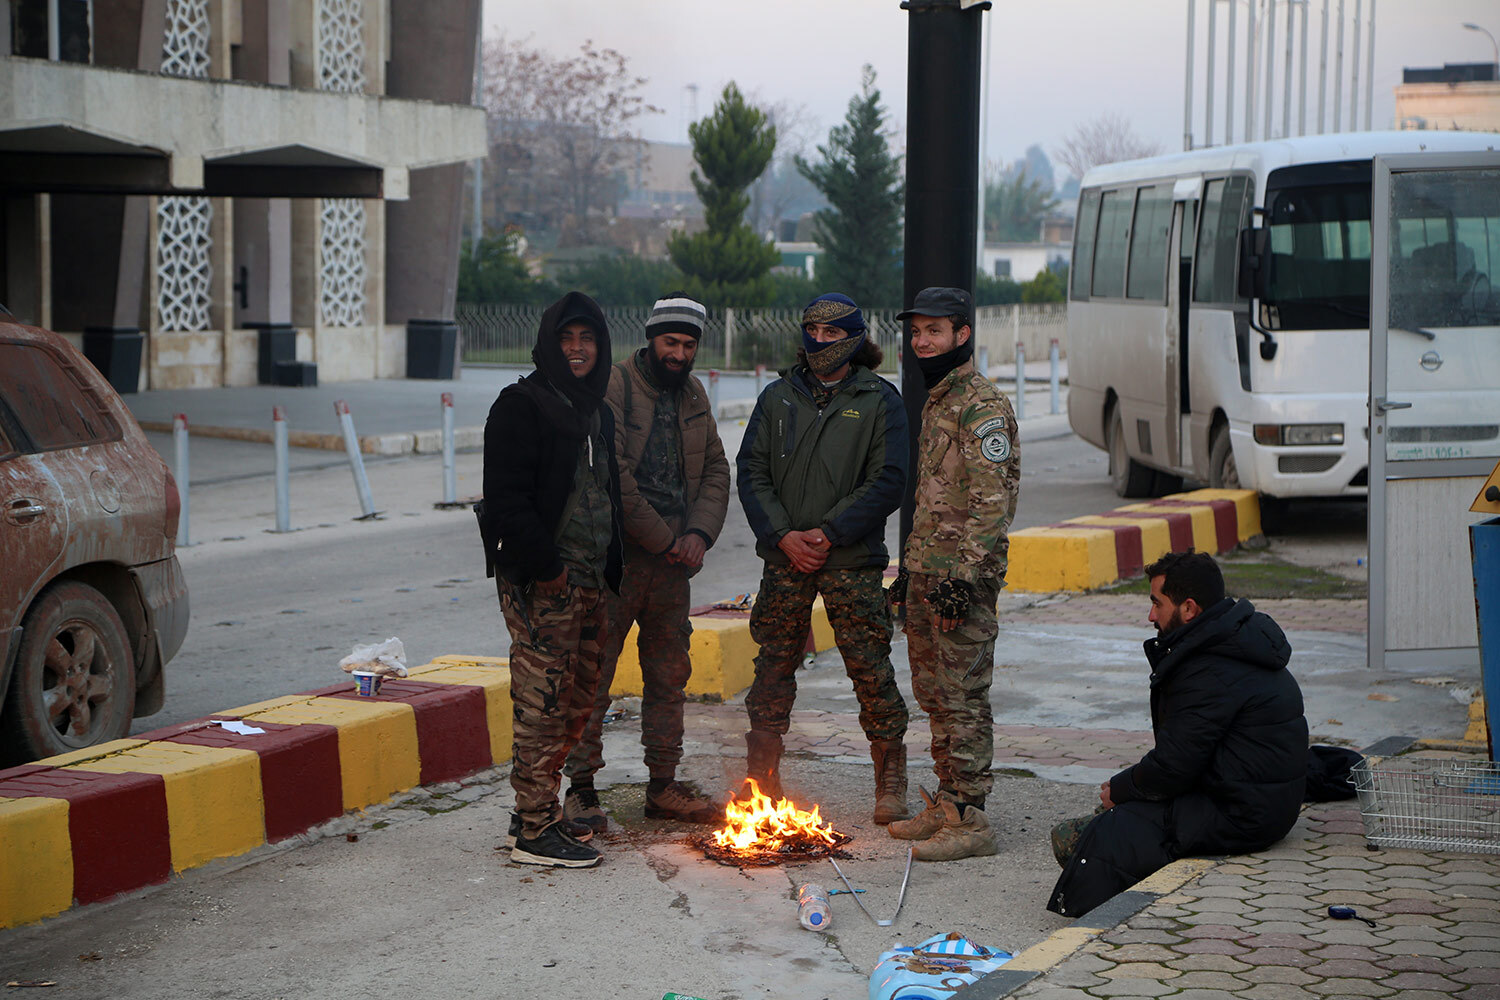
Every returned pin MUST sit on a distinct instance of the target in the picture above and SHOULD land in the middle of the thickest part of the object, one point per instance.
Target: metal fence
(740, 339)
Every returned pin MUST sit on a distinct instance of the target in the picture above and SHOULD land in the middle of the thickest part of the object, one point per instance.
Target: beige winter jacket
(705, 470)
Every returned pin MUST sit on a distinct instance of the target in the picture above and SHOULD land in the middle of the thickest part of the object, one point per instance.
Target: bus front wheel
(1223, 474)
(1129, 477)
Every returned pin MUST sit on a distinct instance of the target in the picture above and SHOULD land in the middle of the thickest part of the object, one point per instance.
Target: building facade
(203, 171)
(1460, 97)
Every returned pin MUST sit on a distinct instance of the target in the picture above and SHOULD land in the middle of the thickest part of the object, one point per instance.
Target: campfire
(758, 831)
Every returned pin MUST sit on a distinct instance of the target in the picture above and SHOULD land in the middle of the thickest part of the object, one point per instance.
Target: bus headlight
(1299, 434)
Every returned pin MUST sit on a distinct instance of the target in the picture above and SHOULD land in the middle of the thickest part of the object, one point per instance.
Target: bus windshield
(1319, 275)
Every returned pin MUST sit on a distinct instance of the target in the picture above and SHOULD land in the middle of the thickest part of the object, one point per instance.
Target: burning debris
(758, 831)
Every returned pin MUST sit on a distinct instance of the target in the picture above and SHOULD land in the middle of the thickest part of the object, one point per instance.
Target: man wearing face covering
(968, 474)
(551, 517)
(674, 484)
(822, 465)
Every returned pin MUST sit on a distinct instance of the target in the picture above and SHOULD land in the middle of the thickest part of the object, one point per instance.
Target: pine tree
(728, 264)
(861, 231)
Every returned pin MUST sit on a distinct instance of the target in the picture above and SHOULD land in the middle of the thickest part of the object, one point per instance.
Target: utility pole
(1370, 73)
(1229, 81)
(1208, 123)
(943, 44)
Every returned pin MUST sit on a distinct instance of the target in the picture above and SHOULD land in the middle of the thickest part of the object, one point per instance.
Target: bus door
(1435, 393)
(1185, 194)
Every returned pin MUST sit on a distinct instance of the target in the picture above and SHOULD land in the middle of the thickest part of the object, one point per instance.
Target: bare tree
(781, 186)
(1106, 139)
(559, 134)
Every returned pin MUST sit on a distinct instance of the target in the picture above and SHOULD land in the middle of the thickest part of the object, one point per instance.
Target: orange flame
(760, 824)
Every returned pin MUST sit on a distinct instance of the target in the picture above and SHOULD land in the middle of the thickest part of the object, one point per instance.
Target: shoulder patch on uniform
(990, 426)
(995, 447)
(850, 413)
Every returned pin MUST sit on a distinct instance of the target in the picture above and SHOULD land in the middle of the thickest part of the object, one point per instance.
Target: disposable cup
(366, 683)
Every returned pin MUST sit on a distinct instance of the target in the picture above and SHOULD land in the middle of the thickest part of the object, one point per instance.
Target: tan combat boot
(890, 780)
(763, 763)
(924, 824)
(965, 833)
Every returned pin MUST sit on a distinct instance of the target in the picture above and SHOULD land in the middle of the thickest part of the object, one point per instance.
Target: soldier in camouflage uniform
(822, 465)
(674, 486)
(968, 470)
(551, 526)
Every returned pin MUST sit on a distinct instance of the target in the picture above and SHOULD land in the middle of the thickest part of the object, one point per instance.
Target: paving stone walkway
(1257, 926)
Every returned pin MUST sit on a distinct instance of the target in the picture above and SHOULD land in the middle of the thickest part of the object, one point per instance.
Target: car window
(52, 408)
(7, 448)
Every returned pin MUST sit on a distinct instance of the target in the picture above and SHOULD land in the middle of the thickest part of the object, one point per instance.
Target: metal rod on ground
(900, 900)
(450, 474)
(283, 470)
(356, 461)
(1020, 380)
(713, 393)
(180, 441)
(1053, 355)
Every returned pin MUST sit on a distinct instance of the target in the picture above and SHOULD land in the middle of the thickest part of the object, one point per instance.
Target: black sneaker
(555, 848)
(577, 831)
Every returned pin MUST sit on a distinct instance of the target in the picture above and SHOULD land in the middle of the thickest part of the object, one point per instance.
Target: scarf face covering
(825, 359)
(936, 368)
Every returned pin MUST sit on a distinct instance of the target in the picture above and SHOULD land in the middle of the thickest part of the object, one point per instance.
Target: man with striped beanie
(674, 491)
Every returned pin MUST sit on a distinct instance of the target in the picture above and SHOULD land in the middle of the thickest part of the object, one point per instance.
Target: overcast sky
(1053, 63)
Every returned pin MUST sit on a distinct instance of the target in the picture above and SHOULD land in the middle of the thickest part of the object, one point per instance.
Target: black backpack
(1328, 770)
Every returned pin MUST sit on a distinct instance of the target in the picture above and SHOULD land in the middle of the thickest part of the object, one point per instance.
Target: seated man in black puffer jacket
(1227, 772)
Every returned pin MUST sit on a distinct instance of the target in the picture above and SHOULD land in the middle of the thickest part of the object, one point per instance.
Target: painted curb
(1083, 553)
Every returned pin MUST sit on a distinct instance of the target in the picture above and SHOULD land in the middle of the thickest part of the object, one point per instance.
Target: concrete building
(1460, 97)
(1024, 261)
(220, 175)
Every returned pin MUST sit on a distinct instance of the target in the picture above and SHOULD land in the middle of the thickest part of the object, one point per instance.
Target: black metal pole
(942, 173)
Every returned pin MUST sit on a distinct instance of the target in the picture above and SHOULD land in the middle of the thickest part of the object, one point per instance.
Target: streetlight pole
(1474, 27)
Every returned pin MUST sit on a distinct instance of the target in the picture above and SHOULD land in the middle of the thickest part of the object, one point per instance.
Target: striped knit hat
(677, 313)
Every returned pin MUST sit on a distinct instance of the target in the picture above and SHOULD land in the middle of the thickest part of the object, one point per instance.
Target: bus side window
(1223, 216)
(1147, 274)
(1083, 246)
(1110, 249)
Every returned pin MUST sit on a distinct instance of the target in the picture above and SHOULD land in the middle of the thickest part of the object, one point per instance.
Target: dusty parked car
(92, 599)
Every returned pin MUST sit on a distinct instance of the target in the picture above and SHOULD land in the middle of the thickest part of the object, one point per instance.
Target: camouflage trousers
(950, 675)
(554, 671)
(861, 620)
(654, 594)
(1065, 835)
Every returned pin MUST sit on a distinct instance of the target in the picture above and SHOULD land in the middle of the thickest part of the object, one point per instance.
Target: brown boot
(925, 823)
(890, 780)
(966, 833)
(763, 763)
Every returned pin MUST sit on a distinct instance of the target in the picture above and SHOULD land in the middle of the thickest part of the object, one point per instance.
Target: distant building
(799, 256)
(1460, 97)
(658, 182)
(1024, 261)
(201, 171)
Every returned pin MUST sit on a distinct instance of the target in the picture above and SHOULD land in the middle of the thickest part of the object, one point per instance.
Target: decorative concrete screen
(341, 68)
(184, 271)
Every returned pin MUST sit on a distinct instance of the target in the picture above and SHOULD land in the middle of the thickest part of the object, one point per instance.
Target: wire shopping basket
(1430, 803)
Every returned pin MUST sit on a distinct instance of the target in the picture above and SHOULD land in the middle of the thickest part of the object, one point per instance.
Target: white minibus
(1218, 314)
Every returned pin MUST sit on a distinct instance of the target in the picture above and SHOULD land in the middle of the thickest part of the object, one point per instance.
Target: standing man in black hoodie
(551, 521)
(1226, 775)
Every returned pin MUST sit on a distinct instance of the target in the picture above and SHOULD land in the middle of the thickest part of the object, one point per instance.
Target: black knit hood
(1231, 628)
(584, 393)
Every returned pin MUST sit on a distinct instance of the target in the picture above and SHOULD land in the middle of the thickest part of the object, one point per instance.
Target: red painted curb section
(1179, 525)
(117, 824)
(1128, 560)
(299, 769)
(1226, 519)
(453, 733)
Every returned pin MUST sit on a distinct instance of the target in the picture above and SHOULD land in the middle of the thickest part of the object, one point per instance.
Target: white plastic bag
(386, 659)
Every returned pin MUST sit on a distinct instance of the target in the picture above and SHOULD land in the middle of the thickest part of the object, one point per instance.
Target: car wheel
(74, 681)
(1223, 474)
(1129, 477)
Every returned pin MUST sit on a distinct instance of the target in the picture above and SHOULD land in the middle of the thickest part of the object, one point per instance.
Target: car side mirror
(1254, 273)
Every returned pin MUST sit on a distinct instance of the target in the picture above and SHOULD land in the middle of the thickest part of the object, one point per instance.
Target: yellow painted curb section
(1246, 507)
(1479, 728)
(1205, 532)
(377, 741)
(36, 879)
(490, 673)
(214, 805)
(1050, 559)
(1156, 534)
(1175, 875)
(1052, 949)
(88, 755)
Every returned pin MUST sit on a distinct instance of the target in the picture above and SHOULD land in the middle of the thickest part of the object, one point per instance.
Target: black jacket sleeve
(1194, 714)
(515, 456)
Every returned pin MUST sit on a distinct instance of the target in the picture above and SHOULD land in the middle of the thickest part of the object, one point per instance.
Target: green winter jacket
(842, 468)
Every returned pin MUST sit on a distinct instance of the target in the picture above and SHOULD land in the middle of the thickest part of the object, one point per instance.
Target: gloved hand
(951, 598)
(896, 592)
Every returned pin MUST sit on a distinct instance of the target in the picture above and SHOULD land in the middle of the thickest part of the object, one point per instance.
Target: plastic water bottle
(812, 907)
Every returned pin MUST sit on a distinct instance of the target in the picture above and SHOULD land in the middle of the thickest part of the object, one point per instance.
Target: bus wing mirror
(1254, 263)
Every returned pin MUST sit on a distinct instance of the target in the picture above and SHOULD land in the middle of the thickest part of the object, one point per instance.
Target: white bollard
(1020, 381)
(1053, 354)
(283, 470)
(760, 380)
(450, 474)
(984, 361)
(180, 442)
(713, 393)
(356, 462)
